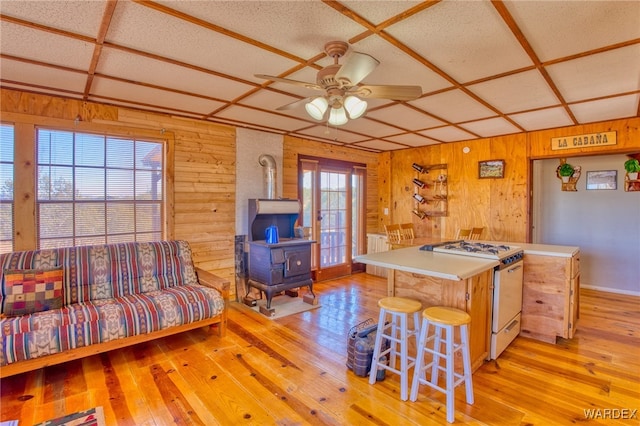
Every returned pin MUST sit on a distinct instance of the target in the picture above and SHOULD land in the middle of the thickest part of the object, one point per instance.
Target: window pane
(148, 217)
(101, 180)
(119, 153)
(55, 147)
(55, 183)
(89, 150)
(6, 143)
(120, 218)
(148, 155)
(119, 184)
(90, 184)
(90, 219)
(55, 220)
(6, 182)
(6, 228)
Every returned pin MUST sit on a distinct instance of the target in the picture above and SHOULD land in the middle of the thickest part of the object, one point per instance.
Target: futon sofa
(66, 303)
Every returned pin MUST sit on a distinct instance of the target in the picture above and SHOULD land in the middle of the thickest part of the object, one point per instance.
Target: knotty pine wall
(502, 206)
(201, 171)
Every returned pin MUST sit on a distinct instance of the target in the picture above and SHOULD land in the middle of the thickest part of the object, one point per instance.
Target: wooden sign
(584, 141)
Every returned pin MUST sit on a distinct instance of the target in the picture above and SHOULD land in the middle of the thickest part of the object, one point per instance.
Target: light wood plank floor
(292, 372)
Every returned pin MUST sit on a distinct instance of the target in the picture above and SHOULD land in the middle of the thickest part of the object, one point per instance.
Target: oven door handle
(515, 268)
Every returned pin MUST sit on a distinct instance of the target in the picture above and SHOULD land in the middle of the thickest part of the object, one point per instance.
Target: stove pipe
(269, 165)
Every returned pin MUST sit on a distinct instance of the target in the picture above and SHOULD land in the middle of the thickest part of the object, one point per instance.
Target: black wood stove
(280, 266)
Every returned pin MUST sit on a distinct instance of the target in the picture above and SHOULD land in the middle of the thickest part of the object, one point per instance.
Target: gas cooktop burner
(479, 249)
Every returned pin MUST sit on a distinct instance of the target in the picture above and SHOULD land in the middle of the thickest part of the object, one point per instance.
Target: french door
(332, 195)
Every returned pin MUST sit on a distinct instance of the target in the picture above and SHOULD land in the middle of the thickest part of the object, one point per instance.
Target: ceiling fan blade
(355, 68)
(289, 81)
(294, 104)
(396, 93)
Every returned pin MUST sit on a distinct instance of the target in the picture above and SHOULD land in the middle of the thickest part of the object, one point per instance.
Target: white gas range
(507, 285)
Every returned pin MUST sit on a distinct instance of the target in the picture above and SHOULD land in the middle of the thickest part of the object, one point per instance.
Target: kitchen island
(444, 280)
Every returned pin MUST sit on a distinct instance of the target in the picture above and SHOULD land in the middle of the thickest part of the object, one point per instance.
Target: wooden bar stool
(397, 331)
(443, 318)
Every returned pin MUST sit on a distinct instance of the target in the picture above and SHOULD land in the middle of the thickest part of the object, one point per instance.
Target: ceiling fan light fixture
(355, 106)
(317, 107)
(338, 116)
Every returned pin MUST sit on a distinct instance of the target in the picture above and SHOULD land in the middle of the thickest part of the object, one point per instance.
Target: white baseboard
(611, 290)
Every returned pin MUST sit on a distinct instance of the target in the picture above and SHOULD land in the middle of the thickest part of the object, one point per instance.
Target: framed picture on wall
(491, 169)
(602, 179)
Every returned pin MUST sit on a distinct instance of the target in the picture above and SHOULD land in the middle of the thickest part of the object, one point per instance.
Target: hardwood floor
(292, 372)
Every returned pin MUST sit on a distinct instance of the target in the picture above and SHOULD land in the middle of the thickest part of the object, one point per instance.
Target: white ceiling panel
(146, 95)
(381, 145)
(556, 29)
(606, 109)
(454, 106)
(332, 134)
(405, 117)
(463, 55)
(517, 92)
(304, 34)
(79, 17)
(396, 67)
(42, 76)
(543, 119)
(53, 49)
(266, 119)
(412, 140)
(466, 39)
(384, 10)
(117, 63)
(491, 127)
(603, 74)
(177, 39)
(447, 134)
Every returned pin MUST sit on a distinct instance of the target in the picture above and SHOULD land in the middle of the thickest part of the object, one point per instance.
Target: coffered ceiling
(485, 68)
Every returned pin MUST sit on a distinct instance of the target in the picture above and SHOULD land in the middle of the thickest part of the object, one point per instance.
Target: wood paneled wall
(201, 172)
(502, 206)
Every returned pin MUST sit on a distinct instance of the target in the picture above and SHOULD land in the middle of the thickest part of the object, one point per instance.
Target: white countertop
(441, 265)
(548, 249)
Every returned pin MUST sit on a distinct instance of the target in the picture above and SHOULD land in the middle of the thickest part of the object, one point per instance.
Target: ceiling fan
(341, 83)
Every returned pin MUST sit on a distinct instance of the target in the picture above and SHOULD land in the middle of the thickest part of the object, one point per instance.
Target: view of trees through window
(95, 189)
(6, 188)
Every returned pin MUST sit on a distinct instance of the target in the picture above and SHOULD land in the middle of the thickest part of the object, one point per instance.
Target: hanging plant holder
(568, 174)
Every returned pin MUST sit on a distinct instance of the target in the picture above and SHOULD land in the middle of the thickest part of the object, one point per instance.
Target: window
(6, 188)
(96, 189)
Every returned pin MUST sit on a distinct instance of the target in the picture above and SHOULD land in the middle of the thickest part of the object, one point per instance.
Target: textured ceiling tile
(298, 27)
(412, 140)
(517, 92)
(332, 133)
(606, 109)
(383, 10)
(466, 39)
(80, 17)
(42, 76)
(154, 97)
(557, 29)
(125, 65)
(454, 106)
(448, 134)
(607, 73)
(369, 127)
(403, 116)
(266, 119)
(491, 127)
(381, 145)
(543, 119)
(195, 45)
(22, 42)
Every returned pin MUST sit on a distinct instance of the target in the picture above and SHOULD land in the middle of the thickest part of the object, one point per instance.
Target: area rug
(284, 306)
(90, 417)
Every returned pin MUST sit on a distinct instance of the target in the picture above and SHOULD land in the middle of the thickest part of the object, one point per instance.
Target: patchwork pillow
(26, 291)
